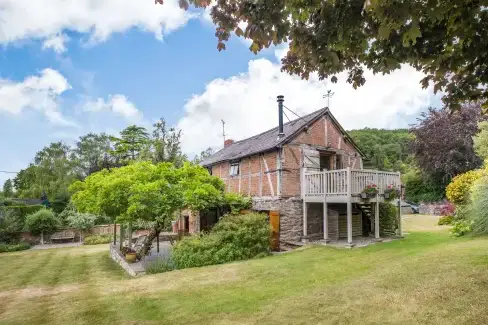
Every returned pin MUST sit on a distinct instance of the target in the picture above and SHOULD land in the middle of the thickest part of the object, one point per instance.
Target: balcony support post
(377, 212)
(349, 208)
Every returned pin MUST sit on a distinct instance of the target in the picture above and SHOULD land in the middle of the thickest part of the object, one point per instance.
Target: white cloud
(247, 103)
(41, 93)
(25, 19)
(118, 104)
(56, 43)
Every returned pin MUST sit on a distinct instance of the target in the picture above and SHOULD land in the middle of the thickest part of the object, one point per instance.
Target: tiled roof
(262, 142)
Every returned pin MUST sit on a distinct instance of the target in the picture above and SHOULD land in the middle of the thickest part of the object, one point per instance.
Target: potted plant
(390, 192)
(130, 254)
(369, 191)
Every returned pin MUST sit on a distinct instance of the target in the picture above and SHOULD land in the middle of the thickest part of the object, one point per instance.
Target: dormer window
(234, 169)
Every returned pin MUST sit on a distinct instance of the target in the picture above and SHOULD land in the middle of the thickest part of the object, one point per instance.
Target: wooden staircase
(368, 210)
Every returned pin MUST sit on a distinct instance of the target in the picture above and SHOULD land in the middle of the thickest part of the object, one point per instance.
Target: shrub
(98, 239)
(41, 222)
(447, 209)
(445, 220)
(461, 227)
(458, 190)
(235, 237)
(159, 265)
(478, 206)
(388, 219)
(236, 202)
(4, 248)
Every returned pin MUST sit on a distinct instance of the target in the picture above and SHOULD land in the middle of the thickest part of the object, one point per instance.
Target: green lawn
(426, 278)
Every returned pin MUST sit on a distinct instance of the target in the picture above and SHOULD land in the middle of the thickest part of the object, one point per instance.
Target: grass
(426, 278)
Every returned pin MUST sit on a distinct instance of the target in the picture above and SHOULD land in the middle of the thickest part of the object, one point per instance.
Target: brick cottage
(309, 172)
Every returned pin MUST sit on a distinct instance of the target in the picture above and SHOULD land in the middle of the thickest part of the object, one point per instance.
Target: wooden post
(400, 231)
(377, 213)
(326, 225)
(304, 220)
(129, 235)
(115, 234)
(157, 243)
(349, 208)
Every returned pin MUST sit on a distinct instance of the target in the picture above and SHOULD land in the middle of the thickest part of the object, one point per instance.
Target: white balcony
(345, 185)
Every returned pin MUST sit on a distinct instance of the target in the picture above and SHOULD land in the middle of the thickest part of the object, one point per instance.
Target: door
(324, 162)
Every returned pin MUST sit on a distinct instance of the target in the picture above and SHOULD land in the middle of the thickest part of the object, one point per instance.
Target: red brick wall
(253, 179)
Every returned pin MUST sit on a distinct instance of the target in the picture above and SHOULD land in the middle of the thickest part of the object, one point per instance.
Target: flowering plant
(390, 192)
(370, 190)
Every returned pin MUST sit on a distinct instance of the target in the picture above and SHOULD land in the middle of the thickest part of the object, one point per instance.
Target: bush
(459, 189)
(478, 206)
(445, 220)
(235, 237)
(159, 265)
(388, 219)
(41, 222)
(447, 209)
(4, 248)
(461, 227)
(98, 239)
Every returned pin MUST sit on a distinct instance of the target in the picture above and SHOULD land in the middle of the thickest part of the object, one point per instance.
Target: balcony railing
(346, 182)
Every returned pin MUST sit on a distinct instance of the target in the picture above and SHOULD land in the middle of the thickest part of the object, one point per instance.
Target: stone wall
(291, 215)
(119, 259)
(434, 208)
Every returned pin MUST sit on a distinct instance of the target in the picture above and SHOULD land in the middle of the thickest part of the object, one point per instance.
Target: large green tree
(166, 143)
(385, 149)
(144, 191)
(8, 188)
(131, 142)
(446, 40)
(93, 152)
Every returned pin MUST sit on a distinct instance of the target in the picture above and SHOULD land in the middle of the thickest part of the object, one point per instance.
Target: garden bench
(63, 235)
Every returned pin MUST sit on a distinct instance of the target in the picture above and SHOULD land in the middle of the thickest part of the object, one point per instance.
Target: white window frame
(234, 169)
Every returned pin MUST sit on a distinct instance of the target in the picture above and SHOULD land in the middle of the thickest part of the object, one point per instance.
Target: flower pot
(130, 257)
(387, 195)
(371, 195)
(364, 195)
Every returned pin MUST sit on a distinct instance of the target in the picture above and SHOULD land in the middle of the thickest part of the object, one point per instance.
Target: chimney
(280, 100)
(228, 142)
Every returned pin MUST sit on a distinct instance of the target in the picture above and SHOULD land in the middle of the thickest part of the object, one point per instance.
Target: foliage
(445, 220)
(461, 227)
(167, 144)
(42, 221)
(447, 209)
(237, 202)
(370, 189)
(384, 149)
(81, 221)
(133, 139)
(443, 40)
(388, 219)
(478, 206)
(93, 153)
(144, 191)
(480, 140)
(391, 193)
(159, 265)
(4, 248)
(11, 224)
(51, 173)
(97, 239)
(443, 144)
(419, 187)
(460, 187)
(8, 188)
(203, 155)
(235, 237)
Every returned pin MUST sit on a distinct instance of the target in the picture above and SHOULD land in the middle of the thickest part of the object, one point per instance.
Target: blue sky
(68, 68)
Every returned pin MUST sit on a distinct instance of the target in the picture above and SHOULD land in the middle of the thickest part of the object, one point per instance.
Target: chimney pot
(228, 142)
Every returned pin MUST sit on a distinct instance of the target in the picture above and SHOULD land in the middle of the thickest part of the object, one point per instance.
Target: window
(234, 169)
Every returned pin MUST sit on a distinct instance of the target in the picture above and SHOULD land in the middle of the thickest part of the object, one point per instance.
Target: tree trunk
(42, 237)
(146, 246)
